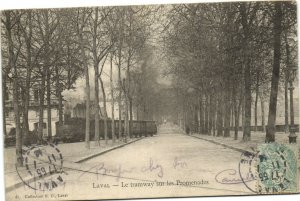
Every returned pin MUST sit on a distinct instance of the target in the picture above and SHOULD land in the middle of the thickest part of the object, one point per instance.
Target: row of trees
(37, 53)
(50, 49)
(225, 57)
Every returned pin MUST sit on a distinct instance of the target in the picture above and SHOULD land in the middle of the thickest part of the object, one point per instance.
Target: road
(169, 164)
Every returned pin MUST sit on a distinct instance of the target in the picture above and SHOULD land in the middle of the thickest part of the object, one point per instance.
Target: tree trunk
(201, 114)
(127, 97)
(247, 105)
(120, 101)
(227, 111)
(256, 101)
(185, 118)
(97, 107)
(49, 128)
(144, 111)
(232, 121)
(26, 107)
(25, 120)
(4, 98)
(130, 117)
(262, 104)
(87, 106)
(17, 121)
(211, 111)
(206, 114)
(195, 119)
(28, 80)
(126, 125)
(48, 73)
(41, 109)
(214, 116)
(247, 73)
(16, 114)
(120, 46)
(137, 112)
(198, 115)
(105, 111)
(60, 98)
(96, 69)
(219, 117)
(60, 108)
(112, 101)
(236, 114)
(270, 132)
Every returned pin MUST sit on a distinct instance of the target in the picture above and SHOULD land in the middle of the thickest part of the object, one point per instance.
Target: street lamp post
(292, 135)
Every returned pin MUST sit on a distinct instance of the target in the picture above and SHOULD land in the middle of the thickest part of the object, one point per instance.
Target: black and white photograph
(150, 101)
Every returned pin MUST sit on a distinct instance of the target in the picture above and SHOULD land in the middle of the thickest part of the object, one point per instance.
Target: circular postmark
(276, 169)
(44, 167)
(248, 171)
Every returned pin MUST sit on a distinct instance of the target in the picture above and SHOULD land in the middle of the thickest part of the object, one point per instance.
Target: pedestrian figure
(187, 130)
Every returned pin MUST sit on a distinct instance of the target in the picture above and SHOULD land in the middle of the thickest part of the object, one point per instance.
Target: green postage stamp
(277, 168)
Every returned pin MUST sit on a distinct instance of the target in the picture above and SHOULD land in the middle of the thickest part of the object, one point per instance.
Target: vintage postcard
(150, 101)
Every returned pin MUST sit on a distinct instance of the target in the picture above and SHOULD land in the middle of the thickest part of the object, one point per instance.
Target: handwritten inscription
(231, 176)
(179, 164)
(153, 167)
(120, 170)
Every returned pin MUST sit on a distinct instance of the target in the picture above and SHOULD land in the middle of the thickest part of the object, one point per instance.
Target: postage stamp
(277, 168)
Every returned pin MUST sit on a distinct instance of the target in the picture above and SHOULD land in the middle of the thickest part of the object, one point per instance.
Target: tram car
(10, 138)
(73, 129)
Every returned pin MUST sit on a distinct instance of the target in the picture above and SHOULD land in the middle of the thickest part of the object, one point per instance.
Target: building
(33, 111)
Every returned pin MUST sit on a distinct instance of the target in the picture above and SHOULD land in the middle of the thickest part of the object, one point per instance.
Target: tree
(99, 48)
(237, 37)
(104, 112)
(120, 14)
(247, 17)
(82, 17)
(27, 33)
(68, 65)
(112, 99)
(11, 24)
(134, 26)
(277, 20)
